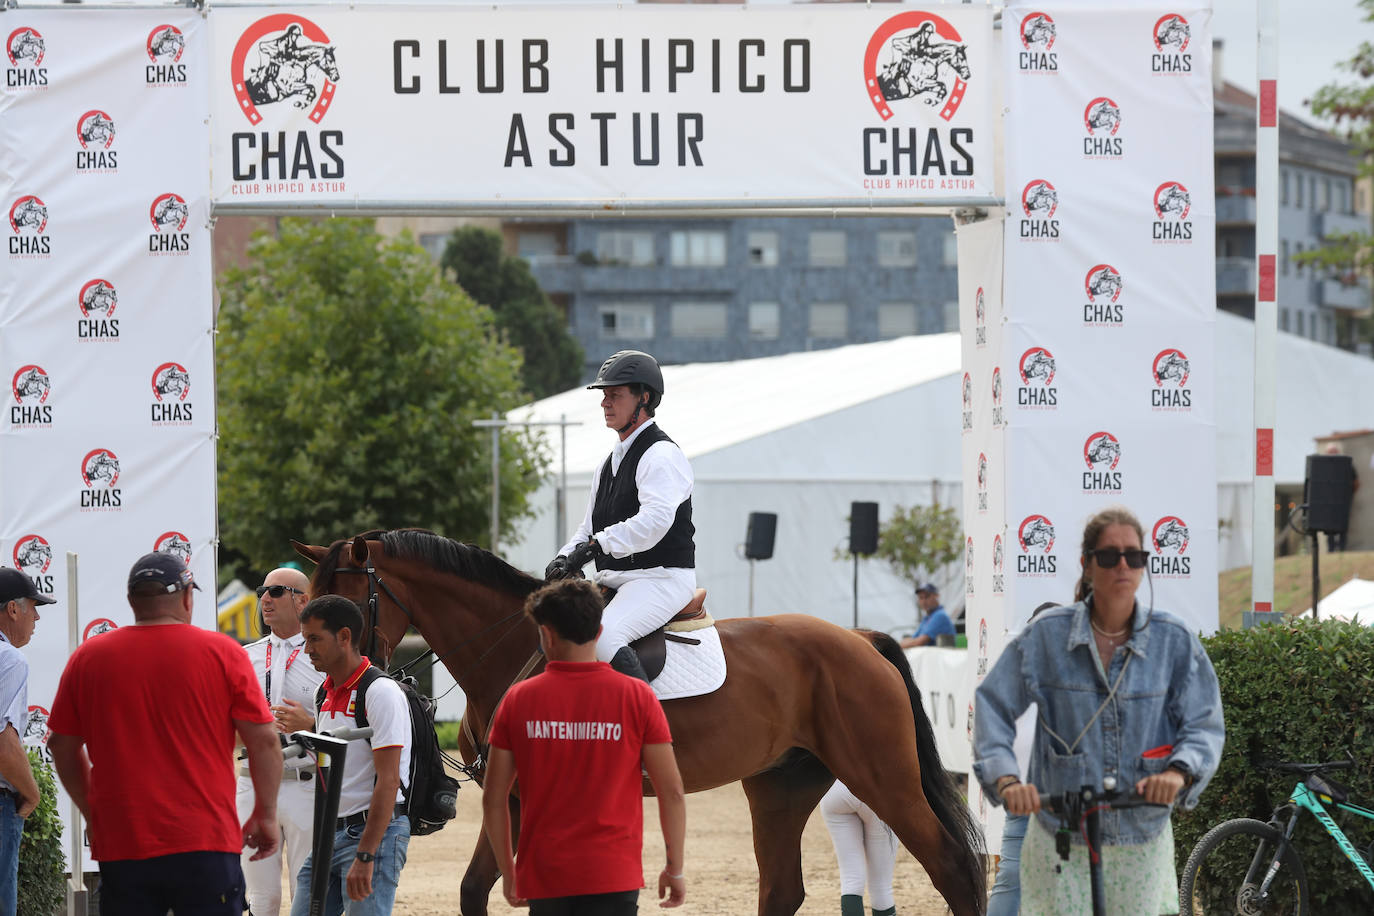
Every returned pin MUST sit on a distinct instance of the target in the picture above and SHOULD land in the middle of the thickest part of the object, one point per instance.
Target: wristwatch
(365, 856)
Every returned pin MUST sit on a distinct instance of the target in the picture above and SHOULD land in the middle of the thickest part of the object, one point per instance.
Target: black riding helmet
(632, 367)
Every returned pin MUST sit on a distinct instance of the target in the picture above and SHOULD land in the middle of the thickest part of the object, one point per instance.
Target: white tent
(805, 434)
(1352, 601)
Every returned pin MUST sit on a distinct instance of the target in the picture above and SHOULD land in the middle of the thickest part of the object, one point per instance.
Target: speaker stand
(752, 561)
(856, 591)
(1316, 572)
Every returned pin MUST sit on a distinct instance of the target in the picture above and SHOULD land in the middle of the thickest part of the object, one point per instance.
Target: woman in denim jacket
(1123, 691)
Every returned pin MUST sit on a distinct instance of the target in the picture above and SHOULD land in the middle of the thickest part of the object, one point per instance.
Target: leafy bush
(42, 869)
(1297, 691)
(447, 733)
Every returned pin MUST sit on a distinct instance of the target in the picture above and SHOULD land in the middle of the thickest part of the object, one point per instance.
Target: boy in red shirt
(577, 735)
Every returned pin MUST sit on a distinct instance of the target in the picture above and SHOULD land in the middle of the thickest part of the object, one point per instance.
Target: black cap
(14, 584)
(159, 573)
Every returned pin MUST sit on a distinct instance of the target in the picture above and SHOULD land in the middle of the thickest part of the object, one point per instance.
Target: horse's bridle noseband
(371, 621)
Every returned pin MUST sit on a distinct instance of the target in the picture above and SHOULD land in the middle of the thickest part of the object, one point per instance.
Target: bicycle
(1085, 808)
(1250, 867)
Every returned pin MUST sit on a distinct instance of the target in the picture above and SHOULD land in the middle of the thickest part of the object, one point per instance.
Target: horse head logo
(29, 213)
(31, 383)
(1171, 366)
(169, 213)
(284, 58)
(1037, 532)
(982, 471)
(1102, 114)
(1103, 280)
(1038, 32)
(98, 296)
(980, 311)
(917, 55)
(1172, 199)
(1172, 31)
(1170, 534)
(1101, 448)
(968, 391)
(1037, 363)
(997, 385)
(98, 626)
(171, 379)
(95, 127)
(32, 554)
(1039, 199)
(100, 466)
(36, 727)
(175, 543)
(25, 44)
(968, 556)
(165, 44)
(997, 557)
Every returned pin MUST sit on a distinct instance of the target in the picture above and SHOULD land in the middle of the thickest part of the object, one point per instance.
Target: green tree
(919, 542)
(553, 359)
(349, 376)
(42, 868)
(1349, 257)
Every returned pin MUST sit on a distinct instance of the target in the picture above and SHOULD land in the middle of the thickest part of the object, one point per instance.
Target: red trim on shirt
(337, 700)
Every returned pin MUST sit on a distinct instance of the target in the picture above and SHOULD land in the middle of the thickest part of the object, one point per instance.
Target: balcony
(1337, 295)
(1235, 276)
(1236, 209)
(1332, 223)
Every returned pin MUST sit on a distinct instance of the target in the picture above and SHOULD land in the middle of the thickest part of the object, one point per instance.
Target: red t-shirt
(577, 732)
(155, 706)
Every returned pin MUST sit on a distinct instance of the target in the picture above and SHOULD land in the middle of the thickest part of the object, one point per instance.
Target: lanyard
(267, 688)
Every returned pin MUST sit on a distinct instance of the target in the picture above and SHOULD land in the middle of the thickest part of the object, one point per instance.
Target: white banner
(107, 438)
(613, 105)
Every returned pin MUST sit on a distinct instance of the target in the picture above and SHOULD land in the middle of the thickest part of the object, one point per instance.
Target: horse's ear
(313, 554)
(360, 550)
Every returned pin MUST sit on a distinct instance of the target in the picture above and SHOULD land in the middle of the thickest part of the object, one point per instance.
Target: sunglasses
(1108, 557)
(276, 591)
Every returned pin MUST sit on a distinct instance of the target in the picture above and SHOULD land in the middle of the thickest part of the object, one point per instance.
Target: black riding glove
(583, 554)
(558, 569)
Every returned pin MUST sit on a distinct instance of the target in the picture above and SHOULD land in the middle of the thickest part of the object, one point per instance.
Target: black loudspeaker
(863, 528)
(1329, 487)
(758, 537)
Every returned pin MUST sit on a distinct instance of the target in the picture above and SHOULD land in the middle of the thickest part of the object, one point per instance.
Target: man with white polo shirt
(372, 833)
(289, 682)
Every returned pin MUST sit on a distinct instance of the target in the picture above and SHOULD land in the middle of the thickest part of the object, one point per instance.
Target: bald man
(289, 681)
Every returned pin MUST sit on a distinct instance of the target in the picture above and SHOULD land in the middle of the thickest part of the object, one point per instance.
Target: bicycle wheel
(1227, 866)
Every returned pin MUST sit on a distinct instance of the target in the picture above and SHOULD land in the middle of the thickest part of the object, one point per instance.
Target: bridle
(370, 621)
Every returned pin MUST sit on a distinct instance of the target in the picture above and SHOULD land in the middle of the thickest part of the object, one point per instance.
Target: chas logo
(1103, 285)
(982, 482)
(1035, 536)
(31, 387)
(97, 301)
(100, 473)
(1037, 390)
(999, 578)
(28, 219)
(968, 566)
(175, 543)
(966, 389)
(32, 554)
(95, 131)
(1170, 371)
(1170, 538)
(1101, 453)
(98, 626)
(1102, 120)
(998, 417)
(165, 46)
(1039, 203)
(36, 728)
(1172, 204)
(980, 320)
(171, 386)
(1171, 37)
(25, 49)
(168, 213)
(1038, 34)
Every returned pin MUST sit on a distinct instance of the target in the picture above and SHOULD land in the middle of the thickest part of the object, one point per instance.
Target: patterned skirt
(1138, 880)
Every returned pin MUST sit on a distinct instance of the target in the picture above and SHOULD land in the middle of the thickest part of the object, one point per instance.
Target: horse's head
(353, 568)
(959, 61)
(328, 64)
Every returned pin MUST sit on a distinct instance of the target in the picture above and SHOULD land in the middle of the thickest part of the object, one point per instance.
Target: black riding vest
(617, 498)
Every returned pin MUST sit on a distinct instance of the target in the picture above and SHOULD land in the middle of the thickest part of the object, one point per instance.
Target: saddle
(653, 649)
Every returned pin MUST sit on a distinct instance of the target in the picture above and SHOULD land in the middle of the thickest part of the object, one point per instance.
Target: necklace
(1117, 635)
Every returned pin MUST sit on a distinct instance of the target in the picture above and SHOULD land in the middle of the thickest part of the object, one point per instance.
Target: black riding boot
(627, 662)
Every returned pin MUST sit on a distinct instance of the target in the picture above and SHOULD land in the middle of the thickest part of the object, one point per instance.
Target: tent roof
(716, 405)
(1352, 601)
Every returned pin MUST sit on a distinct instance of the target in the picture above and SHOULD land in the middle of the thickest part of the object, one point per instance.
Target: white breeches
(295, 814)
(865, 847)
(645, 600)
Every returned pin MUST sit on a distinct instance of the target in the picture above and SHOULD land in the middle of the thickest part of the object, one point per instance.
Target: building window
(624, 321)
(622, 246)
(1283, 257)
(950, 255)
(536, 244)
(698, 248)
(829, 321)
(1283, 187)
(698, 320)
(1297, 248)
(434, 243)
(1283, 319)
(896, 319)
(1311, 192)
(764, 320)
(763, 249)
(950, 318)
(1342, 198)
(896, 249)
(1300, 317)
(827, 249)
(1328, 329)
(1325, 203)
(1297, 201)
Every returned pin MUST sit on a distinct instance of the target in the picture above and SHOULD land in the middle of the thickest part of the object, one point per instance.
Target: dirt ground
(722, 879)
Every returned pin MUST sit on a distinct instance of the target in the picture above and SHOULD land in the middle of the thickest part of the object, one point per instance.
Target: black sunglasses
(1108, 557)
(276, 591)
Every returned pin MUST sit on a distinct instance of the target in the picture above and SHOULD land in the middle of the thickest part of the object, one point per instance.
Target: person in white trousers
(638, 525)
(289, 681)
(866, 849)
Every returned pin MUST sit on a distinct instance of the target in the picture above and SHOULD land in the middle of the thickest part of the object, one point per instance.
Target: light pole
(498, 423)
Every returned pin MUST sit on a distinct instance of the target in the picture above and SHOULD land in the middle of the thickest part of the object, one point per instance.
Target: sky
(1314, 35)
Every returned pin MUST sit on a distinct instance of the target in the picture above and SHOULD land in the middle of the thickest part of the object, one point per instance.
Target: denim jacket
(1167, 709)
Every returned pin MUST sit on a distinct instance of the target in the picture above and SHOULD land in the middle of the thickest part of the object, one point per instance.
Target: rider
(638, 525)
(284, 49)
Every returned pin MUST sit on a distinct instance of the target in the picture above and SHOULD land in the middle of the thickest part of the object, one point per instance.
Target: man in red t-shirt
(143, 740)
(576, 736)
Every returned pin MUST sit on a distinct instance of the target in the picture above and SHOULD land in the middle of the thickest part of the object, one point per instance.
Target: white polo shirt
(388, 713)
(293, 677)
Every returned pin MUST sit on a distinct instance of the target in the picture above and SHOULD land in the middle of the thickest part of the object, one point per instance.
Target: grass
(1292, 583)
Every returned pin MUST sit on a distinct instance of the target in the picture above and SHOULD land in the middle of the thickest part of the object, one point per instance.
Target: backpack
(431, 794)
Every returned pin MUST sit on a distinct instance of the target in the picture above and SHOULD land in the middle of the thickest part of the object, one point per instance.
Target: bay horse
(804, 702)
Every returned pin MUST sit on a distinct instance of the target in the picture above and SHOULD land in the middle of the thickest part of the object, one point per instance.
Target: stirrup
(627, 663)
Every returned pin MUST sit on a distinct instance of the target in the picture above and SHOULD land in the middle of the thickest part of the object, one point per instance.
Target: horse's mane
(444, 554)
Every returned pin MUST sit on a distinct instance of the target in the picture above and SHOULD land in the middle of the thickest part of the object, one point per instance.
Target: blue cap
(160, 573)
(927, 587)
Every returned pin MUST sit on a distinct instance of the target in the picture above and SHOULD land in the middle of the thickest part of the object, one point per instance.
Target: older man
(289, 682)
(19, 602)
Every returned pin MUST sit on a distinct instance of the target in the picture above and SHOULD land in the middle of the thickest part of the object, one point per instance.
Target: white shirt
(664, 480)
(14, 692)
(293, 677)
(388, 713)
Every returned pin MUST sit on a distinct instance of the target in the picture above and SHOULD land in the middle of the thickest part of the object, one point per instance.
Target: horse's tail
(940, 791)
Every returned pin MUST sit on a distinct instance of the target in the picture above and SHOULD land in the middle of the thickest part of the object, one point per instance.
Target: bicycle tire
(1227, 865)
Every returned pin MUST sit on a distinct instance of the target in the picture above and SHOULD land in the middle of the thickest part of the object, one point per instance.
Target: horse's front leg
(482, 871)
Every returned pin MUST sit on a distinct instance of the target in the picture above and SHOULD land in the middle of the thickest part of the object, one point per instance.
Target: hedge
(42, 867)
(1297, 691)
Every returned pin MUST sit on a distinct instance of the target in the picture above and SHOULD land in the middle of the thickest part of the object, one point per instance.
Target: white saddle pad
(690, 671)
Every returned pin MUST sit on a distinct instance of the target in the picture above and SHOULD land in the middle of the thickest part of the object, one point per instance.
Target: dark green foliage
(448, 733)
(553, 359)
(349, 376)
(1297, 691)
(42, 869)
